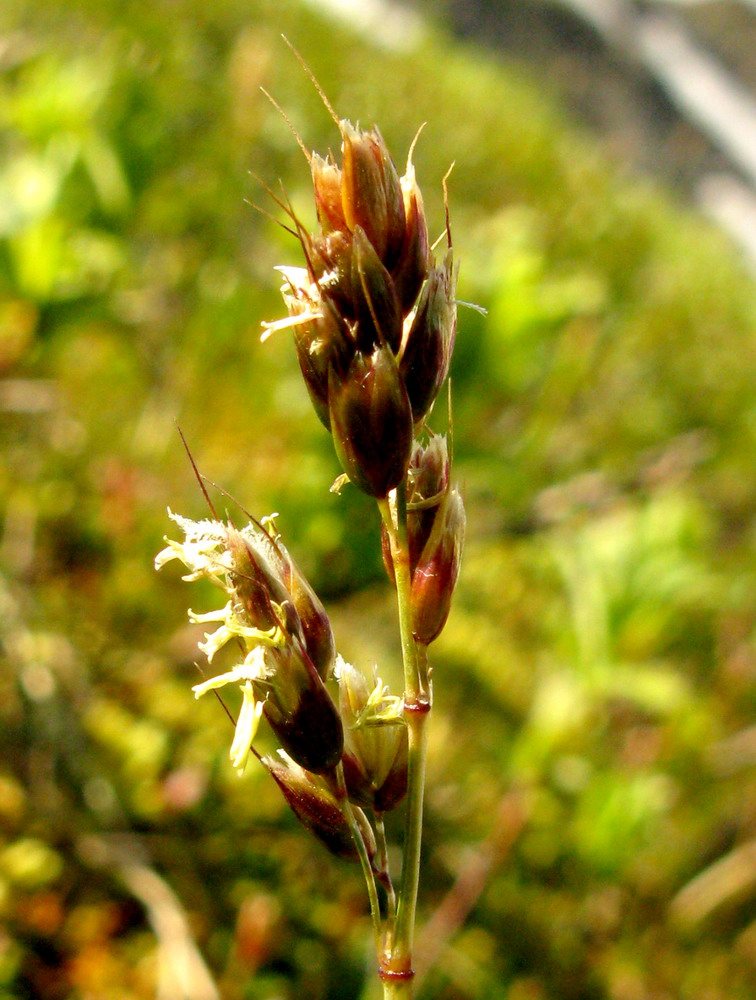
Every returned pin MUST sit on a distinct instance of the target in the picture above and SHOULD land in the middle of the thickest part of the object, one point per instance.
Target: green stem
(400, 957)
(384, 876)
(397, 990)
(397, 963)
(395, 517)
(367, 868)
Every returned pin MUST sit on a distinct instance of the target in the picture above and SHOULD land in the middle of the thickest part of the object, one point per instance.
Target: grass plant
(374, 322)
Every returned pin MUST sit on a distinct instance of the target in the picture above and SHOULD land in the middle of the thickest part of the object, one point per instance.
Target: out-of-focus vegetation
(592, 788)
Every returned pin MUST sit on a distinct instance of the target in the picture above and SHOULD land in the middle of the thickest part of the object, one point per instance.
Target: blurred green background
(592, 788)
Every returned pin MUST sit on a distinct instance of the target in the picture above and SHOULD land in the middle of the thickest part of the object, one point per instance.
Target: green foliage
(599, 664)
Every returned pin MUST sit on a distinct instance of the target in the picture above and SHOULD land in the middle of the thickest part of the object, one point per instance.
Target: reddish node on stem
(418, 706)
(389, 975)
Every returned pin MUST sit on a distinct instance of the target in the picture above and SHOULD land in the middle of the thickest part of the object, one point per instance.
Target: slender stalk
(394, 515)
(400, 958)
(384, 876)
(367, 868)
(396, 968)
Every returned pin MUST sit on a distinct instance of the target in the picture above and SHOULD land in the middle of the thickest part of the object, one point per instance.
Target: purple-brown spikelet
(317, 808)
(374, 316)
(435, 535)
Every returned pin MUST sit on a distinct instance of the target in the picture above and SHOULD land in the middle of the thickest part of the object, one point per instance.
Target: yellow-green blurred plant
(59, 161)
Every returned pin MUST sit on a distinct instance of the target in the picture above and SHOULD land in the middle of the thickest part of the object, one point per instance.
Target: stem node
(417, 705)
(395, 975)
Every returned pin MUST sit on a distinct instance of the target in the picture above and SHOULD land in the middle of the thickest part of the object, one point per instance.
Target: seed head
(374, 318)
(313, 803)
(313, 619)
(414, 260)
(430, 341)
(435, 529)
(437, 569)
(375, 740)
(371, 422)
(326, 180)
(371, 191)
(428, 482)
(376, 307)
(301, 712)
(283, 633)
